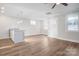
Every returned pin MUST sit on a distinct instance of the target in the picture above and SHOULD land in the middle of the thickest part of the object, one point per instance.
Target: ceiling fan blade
(53, 5)
(65, 4)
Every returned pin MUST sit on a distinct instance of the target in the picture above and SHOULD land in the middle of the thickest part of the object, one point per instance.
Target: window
(32, 22)
(72, 23)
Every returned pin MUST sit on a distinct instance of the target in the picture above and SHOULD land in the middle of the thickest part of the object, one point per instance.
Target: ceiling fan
(64, 4)
(54, 4)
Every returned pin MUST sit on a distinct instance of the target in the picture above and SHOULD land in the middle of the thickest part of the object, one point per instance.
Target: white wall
(44, 29)
(60, 31)
(7, 22)
(52, 27)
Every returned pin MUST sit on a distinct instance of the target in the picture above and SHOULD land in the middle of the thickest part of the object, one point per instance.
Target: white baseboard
(34, 35)
(61, 38)
(4, 38)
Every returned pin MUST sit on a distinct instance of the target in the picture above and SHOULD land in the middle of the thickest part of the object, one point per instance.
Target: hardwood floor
(41, 45)
(5, 42)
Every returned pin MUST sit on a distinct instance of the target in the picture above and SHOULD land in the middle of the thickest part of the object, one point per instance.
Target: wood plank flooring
(41, 45)
(5, 42)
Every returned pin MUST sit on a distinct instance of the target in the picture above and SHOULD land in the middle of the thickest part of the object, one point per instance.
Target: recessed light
(2, 11)
(2, 8)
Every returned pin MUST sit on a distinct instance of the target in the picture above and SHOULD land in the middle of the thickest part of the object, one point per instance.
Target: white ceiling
(36, 10)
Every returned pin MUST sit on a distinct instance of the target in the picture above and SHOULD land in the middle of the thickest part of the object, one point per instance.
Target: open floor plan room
(39, 29)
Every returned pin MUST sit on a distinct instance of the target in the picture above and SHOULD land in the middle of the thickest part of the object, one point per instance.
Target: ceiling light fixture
(2, 11)
(2, 8)
(64, 4)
